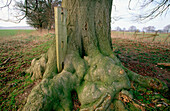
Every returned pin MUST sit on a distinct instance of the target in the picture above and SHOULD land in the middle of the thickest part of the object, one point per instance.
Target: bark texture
(90, 67)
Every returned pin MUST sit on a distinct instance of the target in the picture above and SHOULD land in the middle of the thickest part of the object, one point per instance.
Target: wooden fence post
(154, 35)
(143, 34)
(167, 38)
(61, 36)
(135, 34)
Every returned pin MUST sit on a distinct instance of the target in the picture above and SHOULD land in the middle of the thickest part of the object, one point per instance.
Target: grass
(142, 58)
(19, 49)
(10, 33)
(130, 35)
(15, 84)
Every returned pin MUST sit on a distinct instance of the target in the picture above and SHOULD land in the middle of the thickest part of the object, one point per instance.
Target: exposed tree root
(146, 81)
(97, 80)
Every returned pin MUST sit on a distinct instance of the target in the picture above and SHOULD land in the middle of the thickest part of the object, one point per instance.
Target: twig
(166, 38)
(163, 64)
(7, 60)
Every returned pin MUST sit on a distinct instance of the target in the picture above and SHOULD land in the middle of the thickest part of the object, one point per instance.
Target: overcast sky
(127, 18)
(121, 11)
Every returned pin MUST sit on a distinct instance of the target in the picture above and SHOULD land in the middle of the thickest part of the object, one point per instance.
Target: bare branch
(129, 4)
(8, 20)
(158, 8)
(7, 4)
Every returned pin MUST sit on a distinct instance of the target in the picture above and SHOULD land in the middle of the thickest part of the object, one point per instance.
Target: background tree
(90, 67)
(149, 29)
(118, 29)
(167, 29)
(39, 13)
(124, 29)
(144, 29)
(132, 28)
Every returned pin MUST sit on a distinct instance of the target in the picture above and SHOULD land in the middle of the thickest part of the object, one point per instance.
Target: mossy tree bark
(90, 67)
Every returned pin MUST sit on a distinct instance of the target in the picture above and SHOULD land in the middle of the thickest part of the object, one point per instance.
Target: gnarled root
(146, 81)
(45, 65)
(54, 91)
(98, 80)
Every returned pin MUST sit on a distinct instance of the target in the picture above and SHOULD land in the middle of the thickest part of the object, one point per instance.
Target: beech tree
(132, 28)
(38, 13)
(167, 29)
(90, 67)
(149, 29)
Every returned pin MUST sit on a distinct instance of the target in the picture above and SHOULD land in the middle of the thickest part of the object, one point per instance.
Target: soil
(16, 54)
(142, 58)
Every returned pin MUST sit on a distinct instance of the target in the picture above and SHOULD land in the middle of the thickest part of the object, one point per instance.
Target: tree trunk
(90, 67)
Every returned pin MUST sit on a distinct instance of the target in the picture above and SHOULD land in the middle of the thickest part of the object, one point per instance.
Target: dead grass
(142, 58)
(160, 39)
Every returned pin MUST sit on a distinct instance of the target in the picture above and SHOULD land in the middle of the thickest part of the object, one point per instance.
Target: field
(18, 49)
(161, 38)
(16, 52)
(11, 33)
(142, 57)
(136, 54)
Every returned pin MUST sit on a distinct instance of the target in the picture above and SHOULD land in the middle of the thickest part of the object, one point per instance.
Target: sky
(121, 11)
(128, 19)
(5, 15)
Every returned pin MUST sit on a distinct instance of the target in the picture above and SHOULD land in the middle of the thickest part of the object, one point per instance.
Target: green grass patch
(9, 33)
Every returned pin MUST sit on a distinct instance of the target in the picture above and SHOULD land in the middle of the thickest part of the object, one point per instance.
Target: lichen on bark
(90, 67)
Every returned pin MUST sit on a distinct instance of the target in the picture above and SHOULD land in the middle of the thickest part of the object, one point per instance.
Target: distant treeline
(166, 29)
